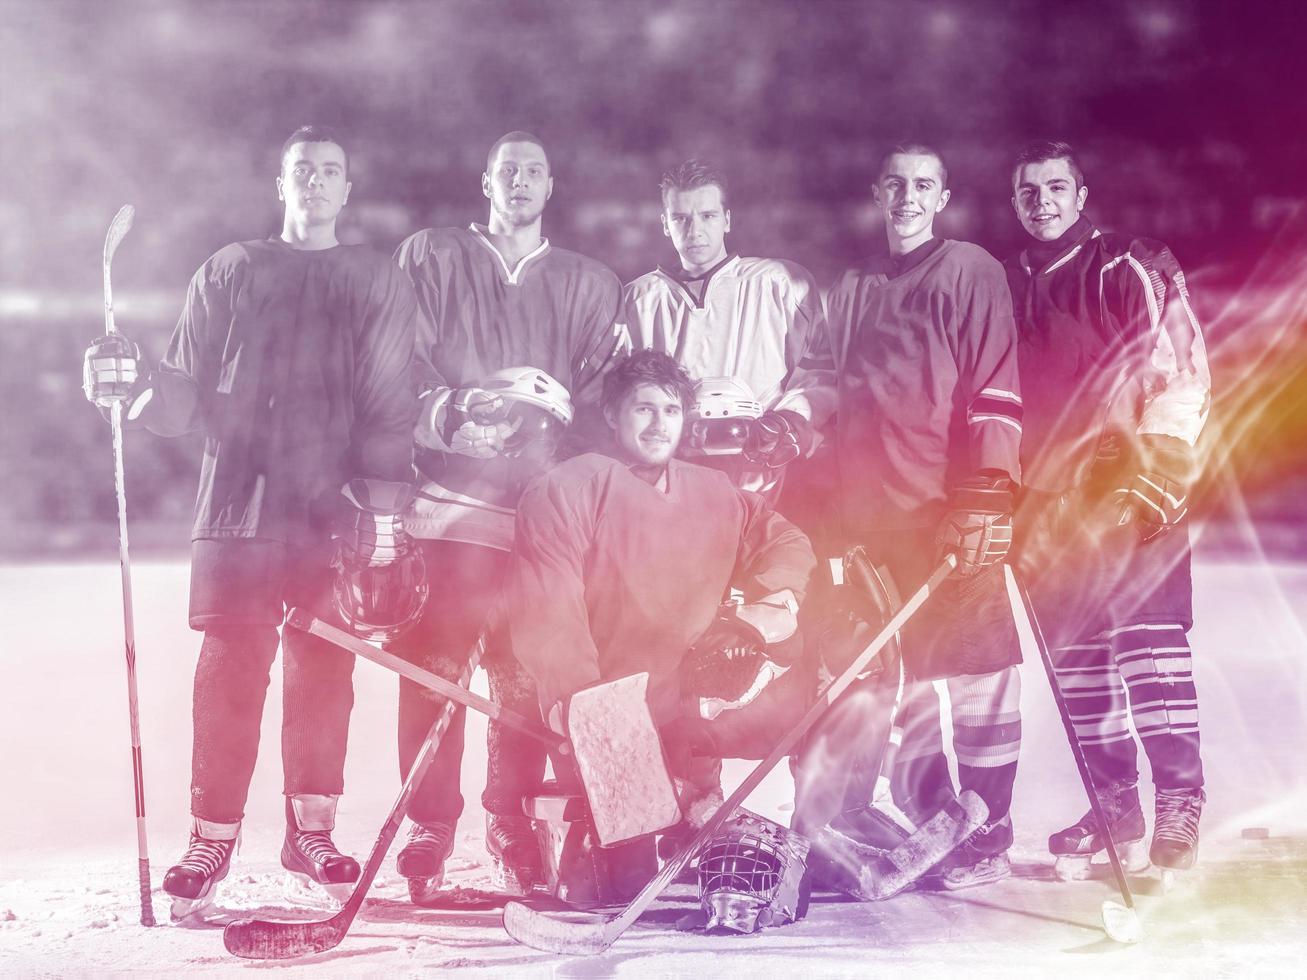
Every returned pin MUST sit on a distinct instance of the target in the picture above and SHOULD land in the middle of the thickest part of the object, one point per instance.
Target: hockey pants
(231, 682)
(465, 584)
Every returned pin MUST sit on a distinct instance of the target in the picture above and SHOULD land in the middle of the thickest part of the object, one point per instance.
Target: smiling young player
(928, 424)
(1117, 389)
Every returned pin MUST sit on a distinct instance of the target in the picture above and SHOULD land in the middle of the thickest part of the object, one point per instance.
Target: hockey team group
(715, 481)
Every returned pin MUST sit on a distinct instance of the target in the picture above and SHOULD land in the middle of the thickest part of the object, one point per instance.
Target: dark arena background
(1192, 126)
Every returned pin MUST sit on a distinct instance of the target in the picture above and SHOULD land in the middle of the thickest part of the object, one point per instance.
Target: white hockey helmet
(751, 875)
(536, 406)
(379, 602)
(531, 386)
(720, 420)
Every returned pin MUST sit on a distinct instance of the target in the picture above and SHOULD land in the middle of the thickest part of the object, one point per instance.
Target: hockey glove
(467, 421)
(372, 521)
(978, 524)
(1155, 497)
(741, 652)
(111, 374)
(778, 438)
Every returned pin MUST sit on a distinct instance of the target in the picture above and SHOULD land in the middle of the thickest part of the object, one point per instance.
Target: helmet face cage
(720, 437)
(750, 874)
(379, 602)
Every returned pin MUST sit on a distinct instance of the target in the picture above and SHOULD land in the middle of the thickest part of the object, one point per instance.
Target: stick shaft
(1082, 764)
(305, 621)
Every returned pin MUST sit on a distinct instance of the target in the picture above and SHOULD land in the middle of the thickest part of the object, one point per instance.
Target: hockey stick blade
(1120, 923)
(263, 939)
(118, 228)
(591, 933)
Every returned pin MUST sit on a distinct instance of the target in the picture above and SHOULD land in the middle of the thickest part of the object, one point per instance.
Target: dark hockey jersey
(555, 311)
(296, 365)
(1108, 344)
(925, 358)
(610, 575)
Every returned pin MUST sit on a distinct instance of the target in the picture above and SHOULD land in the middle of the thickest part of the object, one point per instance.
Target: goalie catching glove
(111, 374)
(1155, 496)
(744, 649)
(511, 412)
(978, 524)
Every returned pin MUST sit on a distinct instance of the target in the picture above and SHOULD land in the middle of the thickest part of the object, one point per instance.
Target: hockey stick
(260, 939)
(590, 933)
(1120, 921)
(118, 228)
(309, 623)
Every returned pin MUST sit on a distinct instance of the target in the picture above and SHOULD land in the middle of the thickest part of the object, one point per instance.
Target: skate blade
(1120, 923)
(421, 891)
(1069, 868)
(191, 910)
(301, 889)
(507, 881)
(1134, 857)
(1168, 879)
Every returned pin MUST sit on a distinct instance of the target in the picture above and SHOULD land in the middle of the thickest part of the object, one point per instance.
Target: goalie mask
(751, 875)
(379, 602)
(721, 421)
(532, 403)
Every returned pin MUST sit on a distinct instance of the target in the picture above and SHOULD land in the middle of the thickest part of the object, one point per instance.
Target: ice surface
(68, 902)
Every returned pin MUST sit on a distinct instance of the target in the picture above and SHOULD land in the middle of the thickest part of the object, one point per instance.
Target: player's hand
(978, 524)
(481, 441)
(1155, 496)
(111, 372)
(778, 438)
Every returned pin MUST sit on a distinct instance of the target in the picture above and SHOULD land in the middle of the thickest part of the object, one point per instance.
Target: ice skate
(1175, 832)
(515, 854)
(981, 859)
(192, 881)
(1074, 847)
(309, 853)
(422, 861)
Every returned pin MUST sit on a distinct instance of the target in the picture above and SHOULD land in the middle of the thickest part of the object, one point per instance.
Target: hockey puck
(1255, 833)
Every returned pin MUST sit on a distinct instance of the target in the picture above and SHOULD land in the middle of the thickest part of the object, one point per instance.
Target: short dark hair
(516, 136)
(313, 134)
(1037, 151)
(914, 148)
(641, 367)
(691, 175)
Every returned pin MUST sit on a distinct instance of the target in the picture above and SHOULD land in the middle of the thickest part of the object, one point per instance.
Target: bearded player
(738, 325)
(1117, 391)
(292, 356)
(928, 425)
(514, 336)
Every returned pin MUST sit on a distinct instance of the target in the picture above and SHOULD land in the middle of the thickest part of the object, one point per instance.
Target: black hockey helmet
(379, 602)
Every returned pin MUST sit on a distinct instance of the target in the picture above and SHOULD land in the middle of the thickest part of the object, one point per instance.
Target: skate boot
(1175, 831)
(981, 859)
(515, 852)
(422, 861)
(1073, 848)
(192, 881)
(308, 851)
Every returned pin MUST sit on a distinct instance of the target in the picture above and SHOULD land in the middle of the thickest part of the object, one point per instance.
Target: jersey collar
(686, 281)
(512, 276)
(1077, 236)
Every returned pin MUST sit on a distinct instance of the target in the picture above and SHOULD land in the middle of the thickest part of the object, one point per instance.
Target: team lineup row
(489, 445)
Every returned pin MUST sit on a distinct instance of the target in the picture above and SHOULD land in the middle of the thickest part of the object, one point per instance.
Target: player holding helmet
(513, 338)
(293, 357)
(743, 322)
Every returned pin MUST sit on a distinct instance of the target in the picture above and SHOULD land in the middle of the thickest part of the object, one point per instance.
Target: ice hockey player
(1117, 390)
(514, 335)
(739, 325)
(622, 564)
(293, 357)
(928, 425)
